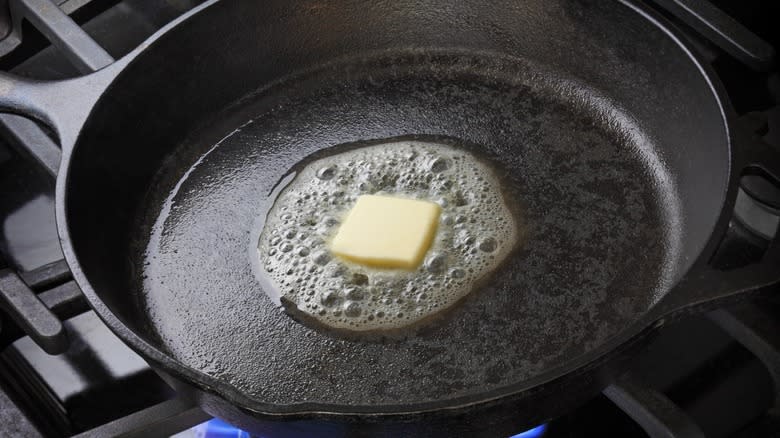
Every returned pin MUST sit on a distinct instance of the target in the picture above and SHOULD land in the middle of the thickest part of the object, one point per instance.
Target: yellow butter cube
(387, 231)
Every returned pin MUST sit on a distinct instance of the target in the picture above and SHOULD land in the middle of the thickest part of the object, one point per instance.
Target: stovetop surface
(709, 370)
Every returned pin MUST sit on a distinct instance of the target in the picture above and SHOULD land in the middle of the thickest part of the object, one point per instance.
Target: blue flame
(219, 429)
(536, 432)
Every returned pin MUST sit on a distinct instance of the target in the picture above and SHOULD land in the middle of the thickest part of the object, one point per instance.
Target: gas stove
(716, 375)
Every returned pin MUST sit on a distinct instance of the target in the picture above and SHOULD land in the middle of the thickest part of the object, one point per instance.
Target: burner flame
(219, 429)
(536, 432)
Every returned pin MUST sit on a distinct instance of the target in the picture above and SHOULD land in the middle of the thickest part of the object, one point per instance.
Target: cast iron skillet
(616, 144)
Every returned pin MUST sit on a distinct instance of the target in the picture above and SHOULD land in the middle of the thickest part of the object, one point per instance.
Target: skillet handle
(705, 287)
(41, 101)
(61, 105)
(55, 104)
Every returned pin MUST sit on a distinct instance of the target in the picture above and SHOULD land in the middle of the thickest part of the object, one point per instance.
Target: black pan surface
(598, 208)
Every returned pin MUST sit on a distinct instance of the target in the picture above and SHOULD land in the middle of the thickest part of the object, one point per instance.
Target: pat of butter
(387, 232)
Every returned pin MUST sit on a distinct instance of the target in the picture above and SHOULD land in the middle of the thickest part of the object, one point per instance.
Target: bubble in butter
(476, 231)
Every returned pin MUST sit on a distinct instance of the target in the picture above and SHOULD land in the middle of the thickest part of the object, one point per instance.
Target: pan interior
(601, 217)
